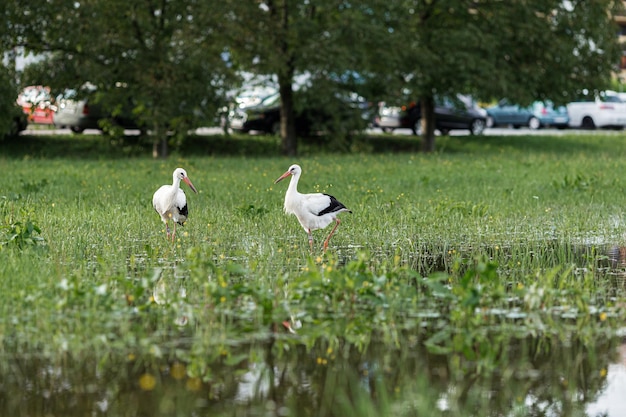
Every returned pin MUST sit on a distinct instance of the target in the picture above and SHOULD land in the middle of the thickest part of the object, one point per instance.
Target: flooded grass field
(487, 279)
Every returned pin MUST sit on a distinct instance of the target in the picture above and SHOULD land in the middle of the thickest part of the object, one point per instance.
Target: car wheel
(477, 127)
(588, 123)
(444, 132)
(417, 127)
(534, 123)
(387, 129)
(77, 129)
(16, 128)
(275, 129)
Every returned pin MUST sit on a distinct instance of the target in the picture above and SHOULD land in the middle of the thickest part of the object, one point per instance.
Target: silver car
(79, 114)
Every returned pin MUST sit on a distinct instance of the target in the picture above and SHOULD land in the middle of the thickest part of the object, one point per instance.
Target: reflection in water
(281, 374)
(521, 259)
(611, 401)
(527, 378)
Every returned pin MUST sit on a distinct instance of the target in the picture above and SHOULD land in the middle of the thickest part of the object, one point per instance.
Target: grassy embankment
(504, 234)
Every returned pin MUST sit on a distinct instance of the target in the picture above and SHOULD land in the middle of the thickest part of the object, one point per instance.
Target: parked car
(78, 113)
(505, 114)
(350, 110)
(550, 115)
(262, 115)
(461, 113)
(605, 110)
(392, 117)
(37, 103)
(537, 115)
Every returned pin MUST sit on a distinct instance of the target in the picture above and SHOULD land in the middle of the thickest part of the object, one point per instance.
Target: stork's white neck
(292, 196)
(293, 185)
(173, 191)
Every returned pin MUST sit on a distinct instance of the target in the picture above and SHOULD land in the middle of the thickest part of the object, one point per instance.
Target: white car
(605, 110)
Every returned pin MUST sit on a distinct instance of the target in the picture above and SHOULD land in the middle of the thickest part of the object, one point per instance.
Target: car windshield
(68, 94)
(459, 102)
(271, 100)
(611, 99)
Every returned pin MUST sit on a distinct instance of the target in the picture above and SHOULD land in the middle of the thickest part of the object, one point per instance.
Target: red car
(37, 103)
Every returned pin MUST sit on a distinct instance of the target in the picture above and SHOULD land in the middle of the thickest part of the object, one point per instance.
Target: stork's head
(294, 170)
(181, 174)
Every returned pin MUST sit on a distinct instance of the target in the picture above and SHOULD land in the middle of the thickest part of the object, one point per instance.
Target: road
(44, 130)
(49, 130)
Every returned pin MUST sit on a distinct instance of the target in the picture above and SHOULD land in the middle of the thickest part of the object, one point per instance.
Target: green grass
(504, 236)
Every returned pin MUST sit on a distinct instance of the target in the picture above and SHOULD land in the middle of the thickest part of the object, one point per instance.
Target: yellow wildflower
(147, 382)
(193, 384)
(178, 370)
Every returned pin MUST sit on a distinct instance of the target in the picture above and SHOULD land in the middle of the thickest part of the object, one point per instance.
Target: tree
(173, 60)
(162, 58)
(8, 108)
(8, 77)
(520, 49)
(322, 40)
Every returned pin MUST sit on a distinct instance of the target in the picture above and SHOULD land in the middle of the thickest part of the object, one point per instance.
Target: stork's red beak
(282, 177)
(188, 182)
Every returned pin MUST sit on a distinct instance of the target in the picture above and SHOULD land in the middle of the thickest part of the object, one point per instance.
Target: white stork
(314, 211)
(170, 201)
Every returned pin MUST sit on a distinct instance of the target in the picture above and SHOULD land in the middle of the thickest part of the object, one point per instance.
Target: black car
(349, 110)
(261, 117)
(461, 113)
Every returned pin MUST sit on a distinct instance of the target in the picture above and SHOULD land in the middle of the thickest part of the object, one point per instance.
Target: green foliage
(464, 208)
(252, 211)
(578, 182)
(10, 113)
(21, 234)
(14, 232)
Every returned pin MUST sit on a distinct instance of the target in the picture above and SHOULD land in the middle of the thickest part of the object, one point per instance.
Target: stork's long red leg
(174, 233)
(311, 240)
(331, 234)
(167, 230)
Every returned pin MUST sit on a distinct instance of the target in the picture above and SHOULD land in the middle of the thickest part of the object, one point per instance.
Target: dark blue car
(537, 115)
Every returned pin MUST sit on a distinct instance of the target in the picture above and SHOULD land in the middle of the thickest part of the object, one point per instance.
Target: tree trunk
(160, 147)
(289, 140)
(428, 124)
(164, 148)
